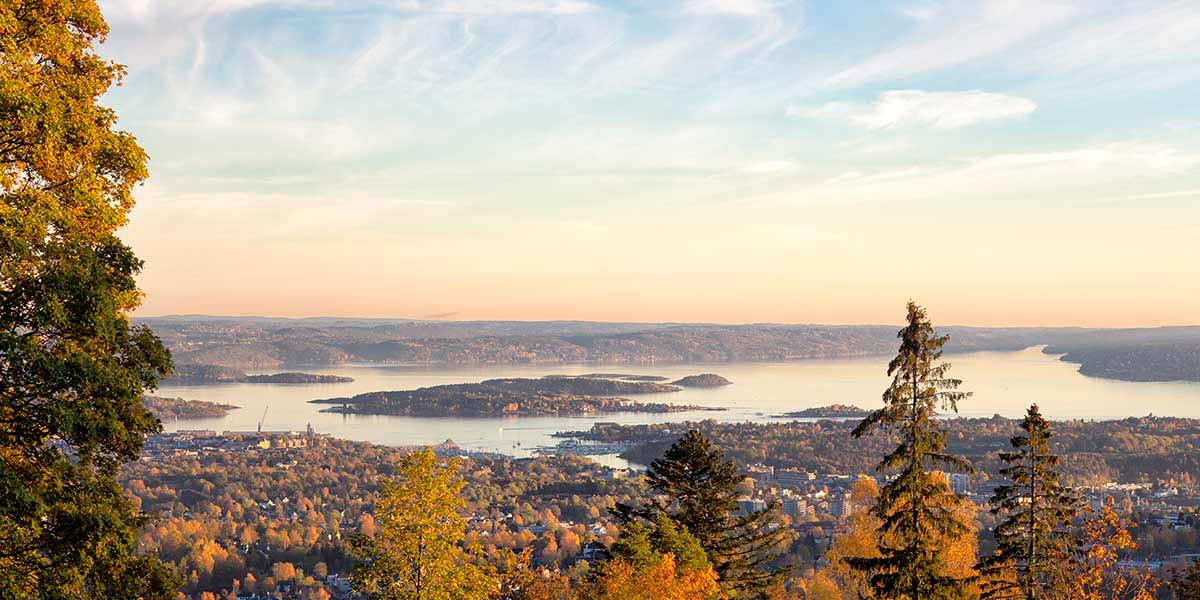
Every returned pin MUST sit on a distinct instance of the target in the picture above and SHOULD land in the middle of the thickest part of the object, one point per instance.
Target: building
(793, 478)
(960, 483)
(748, 506)
(797, 508)
(841, 506)
(594, 552)
(761, 473)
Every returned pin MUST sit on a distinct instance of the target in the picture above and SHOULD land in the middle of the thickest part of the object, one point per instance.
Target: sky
(1002, 163)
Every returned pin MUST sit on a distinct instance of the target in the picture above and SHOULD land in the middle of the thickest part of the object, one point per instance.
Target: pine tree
(703, 487)
(1034, 542)
(920, 516)
(417, 552)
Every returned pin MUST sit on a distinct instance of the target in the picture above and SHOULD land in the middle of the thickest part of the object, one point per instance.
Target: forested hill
(1159, 354)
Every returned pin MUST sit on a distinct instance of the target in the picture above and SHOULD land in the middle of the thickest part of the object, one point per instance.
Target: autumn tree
(702, 485)
(662, 580)
(1034, 540)
(860, 540)
(72, 367)
(417, 551)
(1186, 585)
(520, 579)
(1094, 574)
(920, 517)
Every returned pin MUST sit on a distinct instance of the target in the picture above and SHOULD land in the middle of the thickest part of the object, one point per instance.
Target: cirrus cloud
(937, 110)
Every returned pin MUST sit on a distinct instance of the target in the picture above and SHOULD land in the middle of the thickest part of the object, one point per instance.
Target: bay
(1003, 383)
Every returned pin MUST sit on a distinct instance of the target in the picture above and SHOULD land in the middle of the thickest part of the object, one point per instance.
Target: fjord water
(1003, 383)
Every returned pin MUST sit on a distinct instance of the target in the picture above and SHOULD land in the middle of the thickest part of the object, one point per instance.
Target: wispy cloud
(938, 110)
(1059, 176)
(956, 38)
(744, 8)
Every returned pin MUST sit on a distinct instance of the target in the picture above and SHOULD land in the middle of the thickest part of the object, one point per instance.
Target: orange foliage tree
(661, 581)
(1097, 574)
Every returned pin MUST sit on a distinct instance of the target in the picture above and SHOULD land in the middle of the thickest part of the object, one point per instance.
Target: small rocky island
(178, 408)
(703, 380)
(547, 396)
(833, 411)
(211, 374)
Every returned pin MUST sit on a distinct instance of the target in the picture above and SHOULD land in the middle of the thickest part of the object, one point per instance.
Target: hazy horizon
(699, 160)
(450, 319)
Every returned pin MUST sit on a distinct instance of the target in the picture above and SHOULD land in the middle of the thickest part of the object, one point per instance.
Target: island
(178, 408)
(833, 411)
(547, 396)
(703, 380)
(293, 377)
(212, 374)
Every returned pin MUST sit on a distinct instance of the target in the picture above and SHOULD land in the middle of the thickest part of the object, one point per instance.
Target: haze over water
(1003, 383)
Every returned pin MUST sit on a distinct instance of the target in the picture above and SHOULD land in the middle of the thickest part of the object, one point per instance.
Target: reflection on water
(1004, 383)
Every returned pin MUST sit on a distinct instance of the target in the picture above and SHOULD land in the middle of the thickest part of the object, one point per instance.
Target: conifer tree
(643, 546)
(702, 486)
(1034, 541)
(920, 516)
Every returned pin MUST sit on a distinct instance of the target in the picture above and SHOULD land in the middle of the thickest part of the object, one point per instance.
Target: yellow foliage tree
(417, 552)
(861, 540)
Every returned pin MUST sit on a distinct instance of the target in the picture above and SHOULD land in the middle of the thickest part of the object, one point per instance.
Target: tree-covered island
(546, 396)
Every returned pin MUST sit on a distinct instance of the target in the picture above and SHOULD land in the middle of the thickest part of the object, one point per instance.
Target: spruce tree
(920, 516)
(701, 488)
(1034, 540)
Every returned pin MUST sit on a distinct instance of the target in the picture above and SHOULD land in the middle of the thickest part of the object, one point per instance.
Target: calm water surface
(1004, 383)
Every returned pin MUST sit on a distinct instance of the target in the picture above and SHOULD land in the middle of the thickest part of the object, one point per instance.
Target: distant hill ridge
(1147, 354)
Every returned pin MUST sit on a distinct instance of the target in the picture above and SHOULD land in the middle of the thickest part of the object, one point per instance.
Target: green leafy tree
(1034, 541)
(417, 551)
(72, 367)
(920, 517)
(703, 487)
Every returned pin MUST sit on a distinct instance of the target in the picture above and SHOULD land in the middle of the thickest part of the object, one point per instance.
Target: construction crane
(264, 416)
